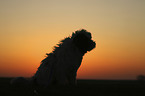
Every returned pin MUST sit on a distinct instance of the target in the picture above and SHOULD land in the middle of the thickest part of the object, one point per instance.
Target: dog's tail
(20, 81)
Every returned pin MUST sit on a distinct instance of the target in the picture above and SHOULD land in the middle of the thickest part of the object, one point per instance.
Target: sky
(30, 28)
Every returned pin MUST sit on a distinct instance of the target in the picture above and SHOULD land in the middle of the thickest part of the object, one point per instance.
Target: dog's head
(83, 40)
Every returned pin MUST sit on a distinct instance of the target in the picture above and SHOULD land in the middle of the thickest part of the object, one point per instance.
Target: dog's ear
(81, 41)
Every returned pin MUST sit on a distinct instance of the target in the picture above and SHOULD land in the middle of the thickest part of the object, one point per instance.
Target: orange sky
(29, 29)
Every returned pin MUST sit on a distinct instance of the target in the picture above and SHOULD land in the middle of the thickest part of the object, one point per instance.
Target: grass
(84, 88)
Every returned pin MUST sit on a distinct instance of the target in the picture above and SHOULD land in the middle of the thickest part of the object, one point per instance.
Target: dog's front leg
(72, 79)
(61, 78)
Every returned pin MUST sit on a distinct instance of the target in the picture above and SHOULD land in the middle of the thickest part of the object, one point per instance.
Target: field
(84, 88)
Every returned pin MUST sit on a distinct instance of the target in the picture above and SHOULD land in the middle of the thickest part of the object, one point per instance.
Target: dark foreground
(84, 88)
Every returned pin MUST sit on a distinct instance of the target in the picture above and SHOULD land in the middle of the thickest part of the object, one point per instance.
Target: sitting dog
(61, 65)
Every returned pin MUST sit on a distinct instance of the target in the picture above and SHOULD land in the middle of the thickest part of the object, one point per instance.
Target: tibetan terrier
(61, 65)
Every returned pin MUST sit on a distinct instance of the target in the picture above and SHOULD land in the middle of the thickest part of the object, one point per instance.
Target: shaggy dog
(61, 65)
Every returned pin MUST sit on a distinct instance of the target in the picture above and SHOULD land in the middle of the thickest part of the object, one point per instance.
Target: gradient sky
(30, 28)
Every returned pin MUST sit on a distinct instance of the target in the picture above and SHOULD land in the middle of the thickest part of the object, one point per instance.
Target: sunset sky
(30, 28)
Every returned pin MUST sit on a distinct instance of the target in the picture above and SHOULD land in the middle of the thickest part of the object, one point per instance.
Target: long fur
(61, 65)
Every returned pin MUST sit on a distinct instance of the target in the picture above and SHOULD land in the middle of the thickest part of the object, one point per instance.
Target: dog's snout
(93, 44)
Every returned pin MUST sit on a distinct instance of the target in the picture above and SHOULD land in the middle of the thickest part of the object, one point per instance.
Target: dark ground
(84, 88)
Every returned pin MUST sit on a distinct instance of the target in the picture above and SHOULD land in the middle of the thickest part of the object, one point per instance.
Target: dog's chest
(71, 59)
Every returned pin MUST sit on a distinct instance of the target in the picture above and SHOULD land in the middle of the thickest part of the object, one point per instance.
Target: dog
(61, 65)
